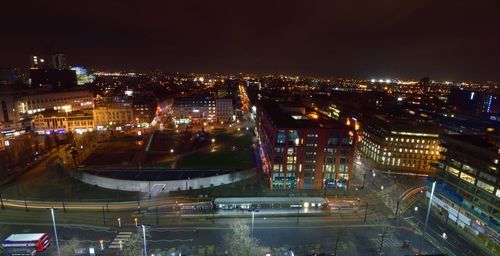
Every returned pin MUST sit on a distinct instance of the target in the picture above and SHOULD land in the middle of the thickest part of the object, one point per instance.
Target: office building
(301, 148)
(397, 145)
(468, 188)
(194, 109)
(112, 117)
(224, 111)
(15, 107)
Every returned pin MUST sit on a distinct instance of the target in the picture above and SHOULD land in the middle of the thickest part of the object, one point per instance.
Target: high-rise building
(301, 148)
(49, 61)
(59, 61)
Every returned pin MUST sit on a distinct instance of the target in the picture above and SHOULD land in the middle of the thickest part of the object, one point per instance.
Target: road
(435, 229)
(309, 234)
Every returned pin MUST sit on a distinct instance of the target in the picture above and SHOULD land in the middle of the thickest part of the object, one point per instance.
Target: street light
(253, 210)
(55, 231)
(102, 245)
(135, 219)
(119, 222)
(428, 212)
(144, 238)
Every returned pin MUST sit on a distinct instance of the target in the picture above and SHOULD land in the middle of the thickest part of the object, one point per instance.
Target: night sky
(442, 39)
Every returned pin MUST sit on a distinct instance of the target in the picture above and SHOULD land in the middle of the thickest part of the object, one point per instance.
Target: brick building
(303, 149)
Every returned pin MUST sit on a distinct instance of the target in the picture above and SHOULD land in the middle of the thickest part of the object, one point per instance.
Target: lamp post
(298, 210)
(135, 219)
(364, 179)
(55, 231)
(119, 222)
(428, 212)
(253, 210)
(324, 185)
(144, 237)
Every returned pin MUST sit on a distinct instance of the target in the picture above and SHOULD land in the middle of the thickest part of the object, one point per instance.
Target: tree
(69, 247)
(134, 246)
(239, 242)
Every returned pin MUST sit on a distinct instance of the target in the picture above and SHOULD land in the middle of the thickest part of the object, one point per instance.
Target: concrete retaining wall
(162, 186)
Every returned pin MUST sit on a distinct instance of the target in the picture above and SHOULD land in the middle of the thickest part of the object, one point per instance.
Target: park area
(115, 151)
(221, 149)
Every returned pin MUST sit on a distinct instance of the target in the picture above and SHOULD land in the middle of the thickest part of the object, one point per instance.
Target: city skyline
(443, 40)
(256, 128)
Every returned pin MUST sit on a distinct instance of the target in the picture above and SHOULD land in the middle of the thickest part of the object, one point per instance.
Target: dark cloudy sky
(443, 39)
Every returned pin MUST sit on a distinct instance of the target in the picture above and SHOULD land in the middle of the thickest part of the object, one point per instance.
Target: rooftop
(290, 115)
(24, 237)
(473, 140)
(400, 126)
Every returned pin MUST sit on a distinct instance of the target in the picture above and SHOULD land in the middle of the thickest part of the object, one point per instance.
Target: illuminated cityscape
(250, 129)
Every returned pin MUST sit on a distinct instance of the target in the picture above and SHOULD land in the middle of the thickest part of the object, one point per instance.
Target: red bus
(26, 244)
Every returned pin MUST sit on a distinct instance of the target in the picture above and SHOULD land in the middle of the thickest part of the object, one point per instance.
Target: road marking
(123, 236)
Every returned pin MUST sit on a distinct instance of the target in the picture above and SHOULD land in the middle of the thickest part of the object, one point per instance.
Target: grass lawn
(114, 153)
(231, 152)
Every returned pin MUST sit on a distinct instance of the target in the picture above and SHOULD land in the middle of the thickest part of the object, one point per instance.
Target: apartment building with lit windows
(301, 148)
(468, 186)
(400, 146)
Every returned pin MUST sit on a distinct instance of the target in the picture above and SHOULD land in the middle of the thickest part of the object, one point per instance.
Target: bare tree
(134, 245)
(239, 242)
(69, 247)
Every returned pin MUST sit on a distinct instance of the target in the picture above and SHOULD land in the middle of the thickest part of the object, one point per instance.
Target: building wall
(9, 118)
(143, 113)
(60, 121)
(71, 100)
(224, 110)
(407, 151)
(197, 109)
(169, 185)
(41, 123)
(305, 158)
(112, 116)
(473, 174)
